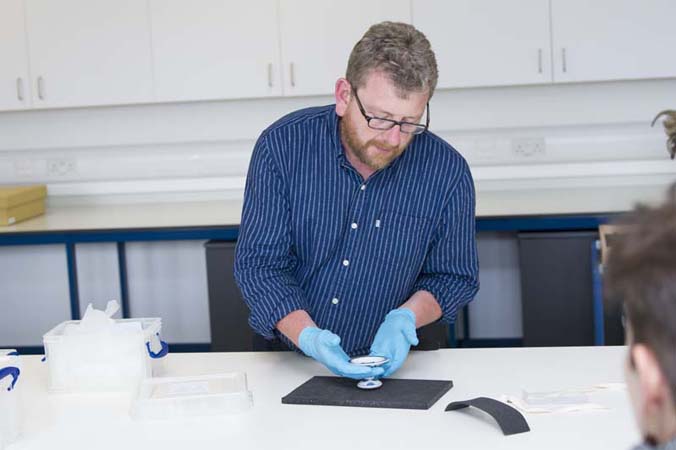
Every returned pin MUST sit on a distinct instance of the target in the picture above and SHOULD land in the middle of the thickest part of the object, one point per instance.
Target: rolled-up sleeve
(451, 269)
(265, 261)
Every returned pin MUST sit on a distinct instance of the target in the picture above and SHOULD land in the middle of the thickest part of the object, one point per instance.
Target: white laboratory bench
(90, 421)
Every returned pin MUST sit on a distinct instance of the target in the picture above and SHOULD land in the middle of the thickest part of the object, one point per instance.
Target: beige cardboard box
(19, 203)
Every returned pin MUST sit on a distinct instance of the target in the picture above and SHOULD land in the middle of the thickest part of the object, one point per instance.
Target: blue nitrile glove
(394, 338)
(324, 346)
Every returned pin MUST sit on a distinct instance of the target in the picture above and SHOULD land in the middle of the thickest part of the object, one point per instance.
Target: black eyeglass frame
(394, 123)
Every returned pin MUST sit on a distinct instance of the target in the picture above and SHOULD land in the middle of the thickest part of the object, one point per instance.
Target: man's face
(376, 149)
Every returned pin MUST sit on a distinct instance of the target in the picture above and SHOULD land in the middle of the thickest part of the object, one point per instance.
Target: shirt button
(346, 262)
(335, 301)
(363, 187)
(354, 226)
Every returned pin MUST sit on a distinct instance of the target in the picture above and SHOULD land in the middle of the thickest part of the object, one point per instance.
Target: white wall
(201, 149)
(594, 134)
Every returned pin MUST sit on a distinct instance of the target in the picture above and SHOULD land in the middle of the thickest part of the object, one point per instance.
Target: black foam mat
(508, 418)
(394, 393)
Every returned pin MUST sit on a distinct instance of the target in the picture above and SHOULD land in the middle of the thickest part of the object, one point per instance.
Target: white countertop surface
(494, 203)
(91, 421)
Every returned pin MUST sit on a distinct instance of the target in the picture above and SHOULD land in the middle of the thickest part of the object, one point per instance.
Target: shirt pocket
(401, 240)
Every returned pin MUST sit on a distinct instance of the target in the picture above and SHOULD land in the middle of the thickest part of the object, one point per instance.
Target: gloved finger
(380, 352)
(410, 335)
(397, 361)
(392, 367)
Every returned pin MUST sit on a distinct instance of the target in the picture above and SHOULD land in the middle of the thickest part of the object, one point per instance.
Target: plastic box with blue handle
(10, 370)
(106, 362)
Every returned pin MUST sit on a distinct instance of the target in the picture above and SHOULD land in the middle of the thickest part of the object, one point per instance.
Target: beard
(374, 159)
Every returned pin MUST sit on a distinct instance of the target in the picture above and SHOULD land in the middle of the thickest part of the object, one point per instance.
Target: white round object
(369, 384)
(371, 361)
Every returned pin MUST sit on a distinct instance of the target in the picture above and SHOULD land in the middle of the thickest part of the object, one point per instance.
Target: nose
(393, 136)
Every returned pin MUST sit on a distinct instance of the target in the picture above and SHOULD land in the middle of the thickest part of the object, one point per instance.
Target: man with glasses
(358, 223)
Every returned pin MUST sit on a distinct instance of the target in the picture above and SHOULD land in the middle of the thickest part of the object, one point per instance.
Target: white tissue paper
(570, 400)
(100, 322)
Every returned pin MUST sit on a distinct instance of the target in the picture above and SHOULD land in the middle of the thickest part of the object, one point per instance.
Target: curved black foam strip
(510, 420)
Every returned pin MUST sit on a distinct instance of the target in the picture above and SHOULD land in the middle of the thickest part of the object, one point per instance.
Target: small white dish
(370, 361)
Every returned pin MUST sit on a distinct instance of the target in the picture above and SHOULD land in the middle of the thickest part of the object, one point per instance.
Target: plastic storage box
(108, 362)
(10, 369)
(180, 397)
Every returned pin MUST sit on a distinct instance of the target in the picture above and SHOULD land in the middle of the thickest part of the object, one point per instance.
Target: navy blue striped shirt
(315, 236)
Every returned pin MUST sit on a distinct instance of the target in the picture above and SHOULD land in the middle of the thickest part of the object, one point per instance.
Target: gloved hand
(324, 346)
(394, 338)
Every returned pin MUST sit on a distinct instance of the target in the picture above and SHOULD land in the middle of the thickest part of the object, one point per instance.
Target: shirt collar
(334, 124)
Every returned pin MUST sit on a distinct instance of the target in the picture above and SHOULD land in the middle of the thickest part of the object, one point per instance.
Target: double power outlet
(528, 147)
(61, 167)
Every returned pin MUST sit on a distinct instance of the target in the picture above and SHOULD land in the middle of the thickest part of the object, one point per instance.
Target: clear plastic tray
(194, 396)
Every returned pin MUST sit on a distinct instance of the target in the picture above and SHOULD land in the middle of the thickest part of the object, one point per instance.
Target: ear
(343, 93)
(652, 382)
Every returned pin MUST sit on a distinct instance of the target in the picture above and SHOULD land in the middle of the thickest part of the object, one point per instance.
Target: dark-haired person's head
(641, 277)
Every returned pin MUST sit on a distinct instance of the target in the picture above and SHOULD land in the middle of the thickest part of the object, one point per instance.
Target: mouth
(384, 149)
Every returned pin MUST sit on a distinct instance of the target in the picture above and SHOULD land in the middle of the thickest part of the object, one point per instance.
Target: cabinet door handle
(292, 78)
(19, 89)
(270, 75)
(41, 88)
(564, 62)
(539, 60)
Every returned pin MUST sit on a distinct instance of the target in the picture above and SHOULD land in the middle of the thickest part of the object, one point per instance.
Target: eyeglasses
(378, 123)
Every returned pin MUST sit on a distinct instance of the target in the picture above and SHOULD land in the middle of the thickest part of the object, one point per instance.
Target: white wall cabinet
(613, 39)
(105, 52)
(14, 77)
(317, 37)
(487, 42)
(215, 49)
(89, 52)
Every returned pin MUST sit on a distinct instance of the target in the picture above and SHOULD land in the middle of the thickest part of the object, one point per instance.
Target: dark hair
(641, 275)
(399, 50)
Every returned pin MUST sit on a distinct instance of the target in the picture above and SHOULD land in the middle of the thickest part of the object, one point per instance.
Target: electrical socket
(61, 167)
(23, 168)
(529, 147)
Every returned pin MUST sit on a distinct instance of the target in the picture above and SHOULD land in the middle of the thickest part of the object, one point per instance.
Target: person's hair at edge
(641, 276)
(399, 51)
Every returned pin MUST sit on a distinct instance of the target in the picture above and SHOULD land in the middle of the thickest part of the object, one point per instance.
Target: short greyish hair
(398, 50)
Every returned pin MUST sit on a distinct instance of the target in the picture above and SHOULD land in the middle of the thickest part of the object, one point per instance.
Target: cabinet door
(14, 82)
(487, 42)
(210, 49)
(613, 39)
(89, 52)
(318, 36)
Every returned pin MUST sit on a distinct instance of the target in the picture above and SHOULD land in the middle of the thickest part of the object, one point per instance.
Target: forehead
(380, 95)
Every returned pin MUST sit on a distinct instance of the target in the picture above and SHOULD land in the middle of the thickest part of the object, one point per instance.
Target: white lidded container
(192, 396)
(10, 369)
(112, 361)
